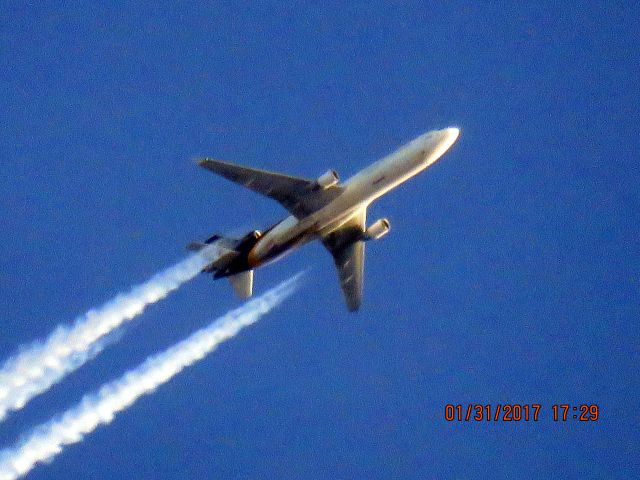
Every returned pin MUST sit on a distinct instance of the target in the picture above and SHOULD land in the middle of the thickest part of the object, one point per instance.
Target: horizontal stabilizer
(242, 283)
(223, 254)
(222, 262)
(196, 246)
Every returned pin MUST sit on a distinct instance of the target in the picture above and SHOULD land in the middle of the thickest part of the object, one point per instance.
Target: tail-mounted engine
(377, 230)
(247, 242)
(327, 179)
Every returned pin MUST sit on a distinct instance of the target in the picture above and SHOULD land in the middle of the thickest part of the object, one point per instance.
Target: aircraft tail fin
(242, 283)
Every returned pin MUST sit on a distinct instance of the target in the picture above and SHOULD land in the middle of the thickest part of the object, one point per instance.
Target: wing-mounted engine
(377, 230)
(327, 180)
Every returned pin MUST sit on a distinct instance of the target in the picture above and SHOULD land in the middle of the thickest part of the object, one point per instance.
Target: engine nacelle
(328, 179)
(377, 230)
(248, 241)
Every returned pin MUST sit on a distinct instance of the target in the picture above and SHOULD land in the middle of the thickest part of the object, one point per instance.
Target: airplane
(323, 209)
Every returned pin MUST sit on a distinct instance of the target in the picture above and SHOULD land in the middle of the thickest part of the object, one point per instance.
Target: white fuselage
(359, 191)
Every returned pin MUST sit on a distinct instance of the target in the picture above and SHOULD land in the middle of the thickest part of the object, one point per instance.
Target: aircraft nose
(438, 142)
(451, 134)
(446, 136)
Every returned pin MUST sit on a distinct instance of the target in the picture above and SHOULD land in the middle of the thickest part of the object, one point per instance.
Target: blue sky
(510, 274)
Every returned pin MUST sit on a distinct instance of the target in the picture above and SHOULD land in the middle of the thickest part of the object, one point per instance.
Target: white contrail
(36, 367)
(48, 440)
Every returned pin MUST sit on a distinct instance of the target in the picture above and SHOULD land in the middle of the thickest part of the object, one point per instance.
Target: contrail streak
(36, 367)
(49, 439)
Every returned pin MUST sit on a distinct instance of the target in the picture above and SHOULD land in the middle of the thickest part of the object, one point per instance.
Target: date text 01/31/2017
(516, 412)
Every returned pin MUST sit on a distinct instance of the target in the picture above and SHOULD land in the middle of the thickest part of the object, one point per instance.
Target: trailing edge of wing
(299, 196)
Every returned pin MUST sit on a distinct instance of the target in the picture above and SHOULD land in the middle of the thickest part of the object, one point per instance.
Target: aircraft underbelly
(387, 175)
(359, 192)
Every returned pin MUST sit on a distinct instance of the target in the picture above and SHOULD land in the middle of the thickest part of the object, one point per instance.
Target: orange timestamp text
(519, 412)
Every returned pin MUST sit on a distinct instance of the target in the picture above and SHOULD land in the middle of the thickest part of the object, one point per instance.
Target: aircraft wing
(347, 249)
(299, 196)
